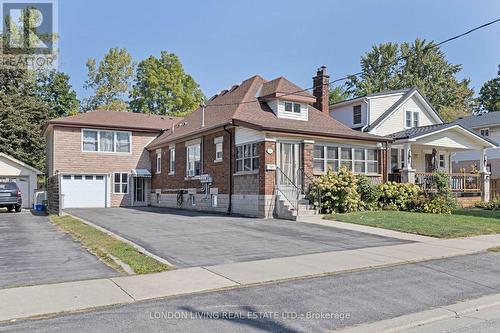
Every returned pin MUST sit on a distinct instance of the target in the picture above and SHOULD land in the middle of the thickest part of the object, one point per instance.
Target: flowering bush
(338, 192)
(395, 196)
(434, 204)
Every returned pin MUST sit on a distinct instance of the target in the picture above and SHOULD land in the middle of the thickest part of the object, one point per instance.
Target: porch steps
(285, 210)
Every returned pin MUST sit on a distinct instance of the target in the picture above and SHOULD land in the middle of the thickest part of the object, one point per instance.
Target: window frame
(98, 142)
(121, 183)
(158, 161)
(219, 149)
(252, 157)
(484, 130)
(197, 159)
(171, 161)
(408, 119)
(443, 160)
(416, 120)
(339, 158)
(355, 109)
(293, 107)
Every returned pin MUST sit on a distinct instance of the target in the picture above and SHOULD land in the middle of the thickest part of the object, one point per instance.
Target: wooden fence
(494, 188)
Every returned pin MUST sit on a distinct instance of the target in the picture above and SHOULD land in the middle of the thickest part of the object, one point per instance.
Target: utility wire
(347, 77)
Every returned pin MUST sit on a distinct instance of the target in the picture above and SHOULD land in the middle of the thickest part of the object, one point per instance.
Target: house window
(90, 140)
(214, 200)
(394, 160)
(193, 161)
(359, 160)
(192, 199)
(171, 160)
(121, 183)
(356, 114)
(122, 142)
(408, 119)
(247, 157)
(485, 132)
(296, 107)
(441, 161)
(158, 161)
(292, 107)
(105, 141)
(415, 119)
(364, 160)
(218, 149)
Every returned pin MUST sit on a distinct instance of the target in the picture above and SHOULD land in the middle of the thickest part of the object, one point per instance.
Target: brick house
(97, 159)
(253, 148)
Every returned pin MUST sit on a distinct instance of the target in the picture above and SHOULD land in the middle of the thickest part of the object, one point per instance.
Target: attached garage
(84, 190)
(12, 169)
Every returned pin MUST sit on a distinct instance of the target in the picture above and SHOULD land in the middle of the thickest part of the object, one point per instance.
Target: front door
(289, 159)
(429, 163)
(139, 189)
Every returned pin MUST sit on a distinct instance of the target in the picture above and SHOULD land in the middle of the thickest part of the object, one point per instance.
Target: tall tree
(55, 90)
(421, 64)
(489, 95)
(162, 87)
(337, 94)
(22, 115)
(110, 81)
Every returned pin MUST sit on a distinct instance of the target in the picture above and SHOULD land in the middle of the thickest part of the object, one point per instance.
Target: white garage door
(82, 191)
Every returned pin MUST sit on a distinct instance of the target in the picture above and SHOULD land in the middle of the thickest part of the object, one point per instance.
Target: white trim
(121, 183)
(193, 142)
(158, 157)
(98, 151)
(459, 128)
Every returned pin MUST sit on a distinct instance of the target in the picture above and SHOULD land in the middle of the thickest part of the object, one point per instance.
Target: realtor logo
(28, 28)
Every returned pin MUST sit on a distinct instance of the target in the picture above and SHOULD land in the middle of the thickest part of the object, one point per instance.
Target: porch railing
(457, 182)
(287, 187)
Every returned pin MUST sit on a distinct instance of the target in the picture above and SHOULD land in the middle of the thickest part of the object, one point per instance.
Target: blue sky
(221, 43)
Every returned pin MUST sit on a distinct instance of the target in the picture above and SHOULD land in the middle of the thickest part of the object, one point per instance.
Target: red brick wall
(267, 178)
(218, 170)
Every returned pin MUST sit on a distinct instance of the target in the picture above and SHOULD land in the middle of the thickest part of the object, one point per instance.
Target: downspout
(229, 208)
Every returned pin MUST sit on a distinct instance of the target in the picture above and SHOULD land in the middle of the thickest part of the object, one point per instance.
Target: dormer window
(292, 107)
(356, 114)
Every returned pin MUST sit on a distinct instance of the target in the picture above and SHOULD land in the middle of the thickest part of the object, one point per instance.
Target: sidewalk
(475, 315)
(40, 300)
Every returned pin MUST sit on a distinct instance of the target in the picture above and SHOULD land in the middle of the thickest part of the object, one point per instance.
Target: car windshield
(8, 186)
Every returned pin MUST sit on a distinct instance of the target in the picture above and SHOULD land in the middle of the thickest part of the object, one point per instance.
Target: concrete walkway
(54, 298)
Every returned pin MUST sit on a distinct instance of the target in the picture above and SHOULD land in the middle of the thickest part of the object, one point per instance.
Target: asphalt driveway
(196, 239)
(33, 251)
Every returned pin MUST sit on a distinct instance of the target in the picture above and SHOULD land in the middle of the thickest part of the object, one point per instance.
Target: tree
(489, 95)
(337, 94)
(110, 81)
(162, 87)
(55, 90)
(22, 115)
(392, 66)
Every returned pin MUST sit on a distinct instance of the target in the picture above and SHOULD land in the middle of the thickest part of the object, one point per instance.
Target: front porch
(418, 154)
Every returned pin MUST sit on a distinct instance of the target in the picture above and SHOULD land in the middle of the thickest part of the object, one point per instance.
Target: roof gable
(404, 98)
(20, 163)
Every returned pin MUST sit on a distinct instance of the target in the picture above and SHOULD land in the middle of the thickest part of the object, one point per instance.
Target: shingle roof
(281, 86)
(480, 120)
(242, 106)
(116, 119)
(381, 93)
(415, 132)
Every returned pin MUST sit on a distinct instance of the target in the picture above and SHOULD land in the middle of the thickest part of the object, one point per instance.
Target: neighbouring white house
(12, 169)
(422, 142)
(488, 125)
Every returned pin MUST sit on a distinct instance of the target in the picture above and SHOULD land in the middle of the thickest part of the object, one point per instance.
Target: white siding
(244, 135)
(378, 105)
(278, 107)
(344, 114)
(491, 153)
(396, 121)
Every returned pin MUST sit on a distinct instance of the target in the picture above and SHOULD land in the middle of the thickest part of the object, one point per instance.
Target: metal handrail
(298, 191)
(302, 172)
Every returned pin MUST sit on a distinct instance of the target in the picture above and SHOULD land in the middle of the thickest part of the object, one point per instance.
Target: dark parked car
(10, 196)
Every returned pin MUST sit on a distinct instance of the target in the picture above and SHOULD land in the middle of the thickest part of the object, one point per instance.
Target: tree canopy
(392, 66)
(110, 81)
(163, 87)
(55, 90)
(489, 95)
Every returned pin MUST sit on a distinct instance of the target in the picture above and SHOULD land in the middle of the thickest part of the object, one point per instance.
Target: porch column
(408, 173)
(485, 176)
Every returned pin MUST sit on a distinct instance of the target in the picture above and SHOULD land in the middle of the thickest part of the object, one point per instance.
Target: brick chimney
(321, 90)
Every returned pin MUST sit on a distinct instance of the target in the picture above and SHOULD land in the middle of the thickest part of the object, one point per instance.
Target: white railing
(457, 182)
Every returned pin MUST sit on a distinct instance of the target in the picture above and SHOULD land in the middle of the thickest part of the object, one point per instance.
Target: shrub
(395, 196)
(442, 182)
(369, 193)
(434, 204)
(338, 192)
(494, 204)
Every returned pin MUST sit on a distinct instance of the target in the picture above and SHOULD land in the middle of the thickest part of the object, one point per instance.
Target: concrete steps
(285, 210)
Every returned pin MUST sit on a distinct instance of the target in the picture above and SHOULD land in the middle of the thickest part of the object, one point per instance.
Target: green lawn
(102, 245)
(462, 223)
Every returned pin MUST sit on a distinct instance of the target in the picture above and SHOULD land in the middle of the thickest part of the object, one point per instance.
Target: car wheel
(18, 208)
(10, 208)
